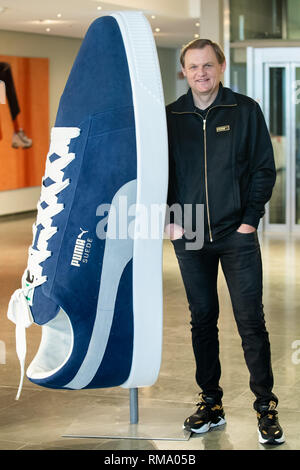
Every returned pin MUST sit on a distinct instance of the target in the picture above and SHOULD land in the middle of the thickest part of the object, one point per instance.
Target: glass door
(296, 145)
(277, 117)
(274, 81)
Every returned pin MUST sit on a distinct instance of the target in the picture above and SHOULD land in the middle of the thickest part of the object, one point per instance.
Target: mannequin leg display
(19, 139)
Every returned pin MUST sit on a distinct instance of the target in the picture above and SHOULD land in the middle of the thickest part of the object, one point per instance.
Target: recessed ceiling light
(99, 8)
(48, 30)
(153, 17)
(197, 24)
(58, 15)
(196, 36)
(48, 23)
(157, 30)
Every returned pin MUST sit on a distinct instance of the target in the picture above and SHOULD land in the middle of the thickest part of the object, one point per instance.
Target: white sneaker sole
(152, 151)
(261, 440)
(206, 427)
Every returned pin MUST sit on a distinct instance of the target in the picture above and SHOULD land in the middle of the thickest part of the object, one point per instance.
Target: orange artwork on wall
(24, 167)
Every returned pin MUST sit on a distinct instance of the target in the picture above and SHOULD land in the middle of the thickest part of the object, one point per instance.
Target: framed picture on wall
(24, 121)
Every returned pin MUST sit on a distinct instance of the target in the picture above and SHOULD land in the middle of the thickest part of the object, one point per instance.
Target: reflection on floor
(42, 417)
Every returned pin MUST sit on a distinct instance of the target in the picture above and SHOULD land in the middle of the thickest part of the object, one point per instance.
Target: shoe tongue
(268, 406)
(209, 400)
(264, 408)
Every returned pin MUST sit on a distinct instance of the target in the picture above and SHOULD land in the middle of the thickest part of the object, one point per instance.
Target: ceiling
(177, 20)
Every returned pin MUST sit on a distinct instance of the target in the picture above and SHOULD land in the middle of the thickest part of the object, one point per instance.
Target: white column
(181, 83)
(211, 21)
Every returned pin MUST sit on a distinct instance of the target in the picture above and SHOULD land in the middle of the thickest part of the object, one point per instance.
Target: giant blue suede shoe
(94, 275)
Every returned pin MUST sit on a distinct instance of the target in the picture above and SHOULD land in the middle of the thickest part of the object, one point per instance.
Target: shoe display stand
(149, 423)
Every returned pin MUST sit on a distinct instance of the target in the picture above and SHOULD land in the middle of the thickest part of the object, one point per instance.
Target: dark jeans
(7, 78)
(240, 259)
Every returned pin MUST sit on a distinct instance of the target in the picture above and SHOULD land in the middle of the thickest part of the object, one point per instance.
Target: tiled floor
(42, 418)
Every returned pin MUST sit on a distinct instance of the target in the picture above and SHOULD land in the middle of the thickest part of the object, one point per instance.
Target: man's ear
(223, 66)
(183, 71)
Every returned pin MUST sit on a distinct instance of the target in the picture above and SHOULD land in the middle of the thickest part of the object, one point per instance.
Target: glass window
(238, 70)
(277, 121)
(267, 19)
(293, 19)
(256, 19)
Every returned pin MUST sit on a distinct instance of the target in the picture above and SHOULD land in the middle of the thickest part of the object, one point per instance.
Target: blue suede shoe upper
(98, 100)
(99, 80)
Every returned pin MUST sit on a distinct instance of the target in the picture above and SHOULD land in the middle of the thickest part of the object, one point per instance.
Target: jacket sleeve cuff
(252, 217)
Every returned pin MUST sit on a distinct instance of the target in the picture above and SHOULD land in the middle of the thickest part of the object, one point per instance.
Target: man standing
(221, 156)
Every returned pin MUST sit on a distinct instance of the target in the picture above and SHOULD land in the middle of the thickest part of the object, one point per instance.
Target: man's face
(202, 70)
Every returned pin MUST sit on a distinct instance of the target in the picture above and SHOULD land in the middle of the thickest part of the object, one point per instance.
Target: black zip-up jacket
(223, 160)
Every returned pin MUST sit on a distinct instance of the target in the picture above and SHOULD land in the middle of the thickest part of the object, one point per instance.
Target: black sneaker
(269, 429)
(208, 415)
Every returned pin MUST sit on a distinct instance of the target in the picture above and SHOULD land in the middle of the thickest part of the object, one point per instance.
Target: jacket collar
(185, 104)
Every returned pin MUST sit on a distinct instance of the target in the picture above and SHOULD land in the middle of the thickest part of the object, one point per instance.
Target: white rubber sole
(206, 427)
(261, 440)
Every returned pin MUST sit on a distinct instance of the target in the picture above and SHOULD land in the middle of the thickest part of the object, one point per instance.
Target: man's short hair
(200, 44)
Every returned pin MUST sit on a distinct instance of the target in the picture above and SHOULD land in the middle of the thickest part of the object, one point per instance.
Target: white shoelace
(19, 306)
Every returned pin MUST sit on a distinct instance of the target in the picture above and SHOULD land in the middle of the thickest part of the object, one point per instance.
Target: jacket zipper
(205, 168)
(205, 177)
